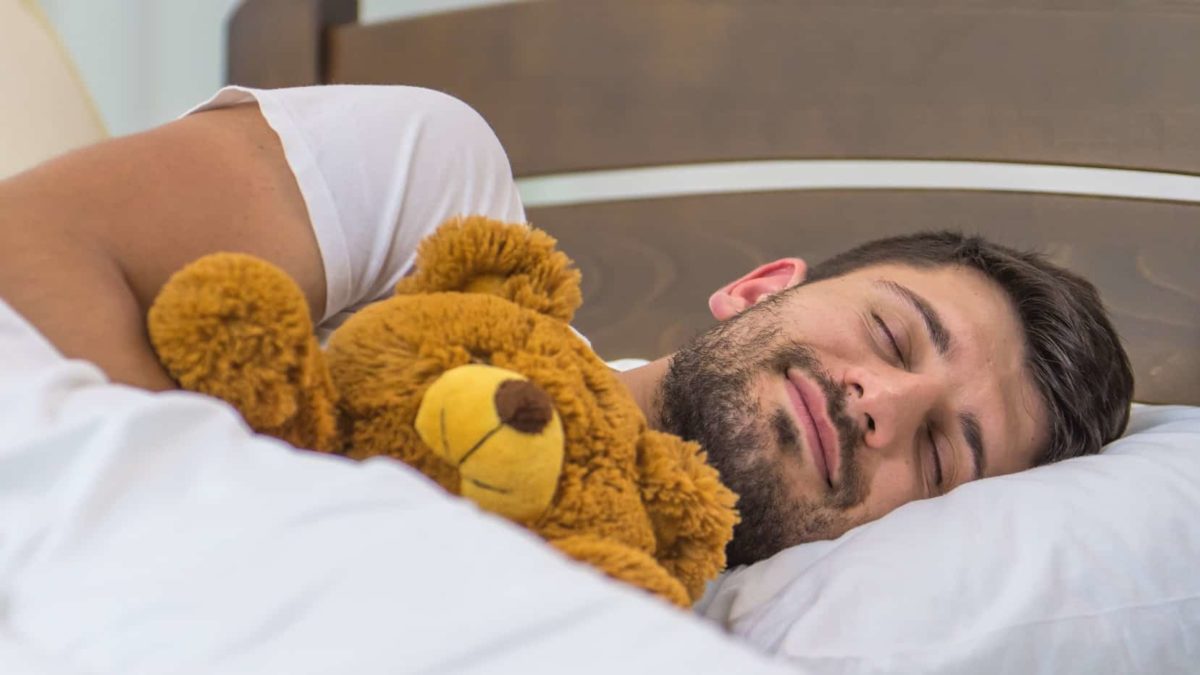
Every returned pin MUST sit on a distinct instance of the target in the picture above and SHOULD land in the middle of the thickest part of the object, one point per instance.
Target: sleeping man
(826, 396)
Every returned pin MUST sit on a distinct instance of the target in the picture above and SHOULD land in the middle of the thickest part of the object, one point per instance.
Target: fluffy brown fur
(643, 506)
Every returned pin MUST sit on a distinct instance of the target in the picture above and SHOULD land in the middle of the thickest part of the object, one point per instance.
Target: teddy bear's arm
(236, 327)
(691, 510)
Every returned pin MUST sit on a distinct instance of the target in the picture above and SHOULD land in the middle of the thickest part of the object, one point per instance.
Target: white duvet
(146, 533)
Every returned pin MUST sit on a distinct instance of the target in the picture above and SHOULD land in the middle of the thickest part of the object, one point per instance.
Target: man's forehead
(972, 306)
(934, 274)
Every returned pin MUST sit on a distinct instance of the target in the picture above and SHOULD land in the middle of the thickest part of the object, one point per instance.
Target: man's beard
(706, 397)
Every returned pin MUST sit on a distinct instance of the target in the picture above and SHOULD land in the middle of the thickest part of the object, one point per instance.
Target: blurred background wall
(147, 61)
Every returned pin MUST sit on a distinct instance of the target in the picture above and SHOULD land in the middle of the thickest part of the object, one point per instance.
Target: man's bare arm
(87, 240)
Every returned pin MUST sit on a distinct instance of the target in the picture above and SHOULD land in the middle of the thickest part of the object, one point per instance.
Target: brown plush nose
(523, 406)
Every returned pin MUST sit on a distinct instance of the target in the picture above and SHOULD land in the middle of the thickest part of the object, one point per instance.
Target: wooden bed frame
(579, 85)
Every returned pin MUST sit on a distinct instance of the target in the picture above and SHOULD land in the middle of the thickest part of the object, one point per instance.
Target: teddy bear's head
(471, 373)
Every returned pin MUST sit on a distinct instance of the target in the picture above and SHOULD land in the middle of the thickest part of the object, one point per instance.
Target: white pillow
(1087, 566)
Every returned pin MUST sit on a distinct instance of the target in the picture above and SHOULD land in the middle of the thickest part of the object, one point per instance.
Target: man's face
(827, 405)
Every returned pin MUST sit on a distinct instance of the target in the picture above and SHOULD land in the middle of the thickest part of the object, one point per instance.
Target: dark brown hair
(1073, 353)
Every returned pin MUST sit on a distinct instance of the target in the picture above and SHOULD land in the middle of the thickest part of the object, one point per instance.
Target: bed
(670, 146)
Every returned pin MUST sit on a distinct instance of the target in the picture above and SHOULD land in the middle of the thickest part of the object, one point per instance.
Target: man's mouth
(809, 404)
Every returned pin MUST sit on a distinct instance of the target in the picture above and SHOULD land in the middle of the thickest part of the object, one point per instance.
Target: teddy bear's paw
(511, 260)
(237, 328)
(626, 564)
(691, 510)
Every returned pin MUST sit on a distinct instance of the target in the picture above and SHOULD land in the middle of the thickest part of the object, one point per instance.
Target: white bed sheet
(146, 533)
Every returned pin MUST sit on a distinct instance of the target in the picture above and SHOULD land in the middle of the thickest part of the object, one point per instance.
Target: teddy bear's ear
(511, 260)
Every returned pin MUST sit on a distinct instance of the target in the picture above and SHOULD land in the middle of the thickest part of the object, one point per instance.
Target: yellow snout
(503, 434)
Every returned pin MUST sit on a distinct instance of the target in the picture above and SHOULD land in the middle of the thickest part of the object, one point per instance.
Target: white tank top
(379, 168)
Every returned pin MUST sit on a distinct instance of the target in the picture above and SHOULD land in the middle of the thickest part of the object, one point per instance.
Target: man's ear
(762, 282)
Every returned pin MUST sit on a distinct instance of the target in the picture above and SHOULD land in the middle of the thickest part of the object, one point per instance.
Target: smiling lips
(810, 405)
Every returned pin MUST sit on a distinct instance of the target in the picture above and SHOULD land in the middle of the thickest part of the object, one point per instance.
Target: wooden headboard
(1033, 89)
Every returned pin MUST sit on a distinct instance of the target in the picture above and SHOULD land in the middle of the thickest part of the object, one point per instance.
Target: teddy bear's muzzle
(501, 432)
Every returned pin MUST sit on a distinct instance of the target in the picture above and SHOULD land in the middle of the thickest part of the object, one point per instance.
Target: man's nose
(889, 407)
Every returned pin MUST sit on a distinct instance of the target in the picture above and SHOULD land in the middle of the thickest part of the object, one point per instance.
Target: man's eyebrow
(938, 335)
(974, 435)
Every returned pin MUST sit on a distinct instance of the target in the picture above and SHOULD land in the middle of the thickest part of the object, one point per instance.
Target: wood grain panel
(650, 265)
(586, 84)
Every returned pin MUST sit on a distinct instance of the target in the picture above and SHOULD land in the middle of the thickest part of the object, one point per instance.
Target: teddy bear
(470, 373)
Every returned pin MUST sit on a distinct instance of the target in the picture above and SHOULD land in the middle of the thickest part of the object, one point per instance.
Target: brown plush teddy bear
(471, 374)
